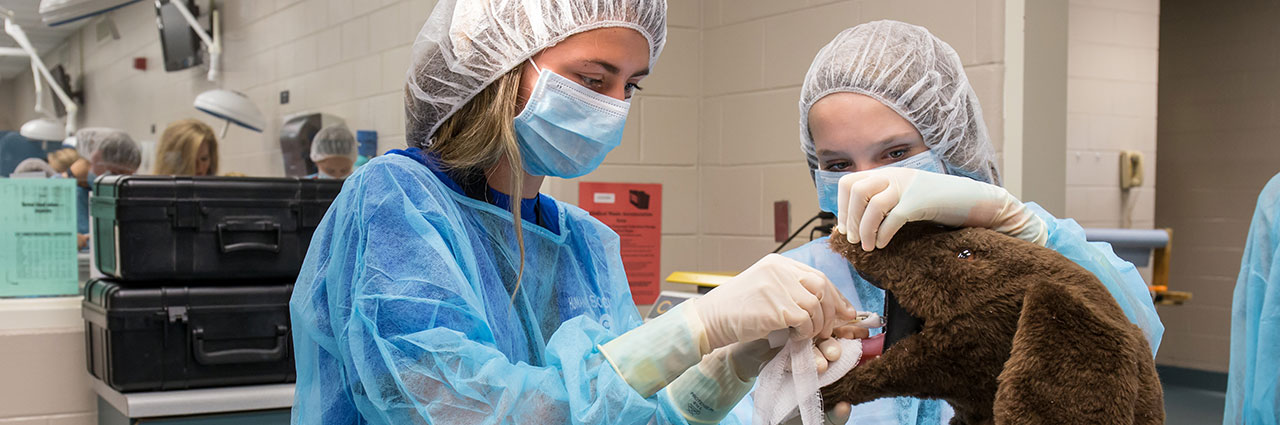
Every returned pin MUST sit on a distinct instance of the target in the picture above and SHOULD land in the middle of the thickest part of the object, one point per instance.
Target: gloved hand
(774, 293)
(749, 357)
(874, 204)
(705, 393)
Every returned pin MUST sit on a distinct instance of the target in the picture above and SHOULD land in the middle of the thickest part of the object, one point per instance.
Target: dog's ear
(1070, 362)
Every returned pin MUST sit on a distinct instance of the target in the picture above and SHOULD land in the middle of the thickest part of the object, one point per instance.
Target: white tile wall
(339, 56)
(1111, 106)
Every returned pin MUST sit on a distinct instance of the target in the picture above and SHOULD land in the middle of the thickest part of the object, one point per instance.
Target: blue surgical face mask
(829, 181)
(566, 129)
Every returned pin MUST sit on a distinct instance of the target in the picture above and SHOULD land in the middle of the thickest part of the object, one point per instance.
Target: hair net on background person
(35, 165)
(918, 76)
(118, 150)
(466, 45)
(1253, 393)
(334, 140)
(87, 139)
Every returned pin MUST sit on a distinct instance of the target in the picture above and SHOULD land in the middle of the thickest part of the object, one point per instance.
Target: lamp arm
(39, 86)
(37, 64)
(214, 43)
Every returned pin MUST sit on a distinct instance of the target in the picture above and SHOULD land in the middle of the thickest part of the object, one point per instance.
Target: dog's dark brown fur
(1013, 334)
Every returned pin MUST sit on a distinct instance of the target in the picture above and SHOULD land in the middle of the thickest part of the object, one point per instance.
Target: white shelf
(197, 402)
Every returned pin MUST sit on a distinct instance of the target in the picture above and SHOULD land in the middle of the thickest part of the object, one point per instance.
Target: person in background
(187, 148)
(441, 287)
(334, 150)
(892, 132)
(33, 166)
(62, 159)
(1253, 379)
(108, 151)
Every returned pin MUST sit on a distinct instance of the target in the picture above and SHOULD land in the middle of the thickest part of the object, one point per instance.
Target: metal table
(255, 404)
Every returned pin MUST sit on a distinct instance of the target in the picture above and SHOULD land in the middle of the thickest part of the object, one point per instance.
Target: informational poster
(634, 211)
(38, 237)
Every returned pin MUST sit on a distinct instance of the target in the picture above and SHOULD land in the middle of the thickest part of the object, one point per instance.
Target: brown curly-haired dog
(1013, 333)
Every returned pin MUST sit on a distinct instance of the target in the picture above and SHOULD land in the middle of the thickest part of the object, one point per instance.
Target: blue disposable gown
(1065, 236)
(403, 311)
(1253, 381)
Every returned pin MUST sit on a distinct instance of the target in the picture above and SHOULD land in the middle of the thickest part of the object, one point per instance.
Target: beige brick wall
(1217, 133)
(1111, 106)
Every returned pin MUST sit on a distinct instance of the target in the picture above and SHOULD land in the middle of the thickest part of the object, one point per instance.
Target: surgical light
(43, 129)
(233, 107)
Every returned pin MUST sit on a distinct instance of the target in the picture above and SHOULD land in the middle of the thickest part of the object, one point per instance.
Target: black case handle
(240, 355)
(230, 226)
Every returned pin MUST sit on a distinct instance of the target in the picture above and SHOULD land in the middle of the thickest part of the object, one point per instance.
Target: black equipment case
(157, 228)
(169, 338)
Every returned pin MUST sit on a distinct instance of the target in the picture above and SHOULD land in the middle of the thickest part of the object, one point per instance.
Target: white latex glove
(748, 357)
(774, 293)
(874, 204)
(705, 393)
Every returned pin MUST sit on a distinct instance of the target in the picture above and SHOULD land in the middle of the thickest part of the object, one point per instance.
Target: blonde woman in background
(62, 159)
(187, 148)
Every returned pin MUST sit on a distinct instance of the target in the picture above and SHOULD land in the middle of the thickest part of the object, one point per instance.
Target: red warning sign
(634, 211)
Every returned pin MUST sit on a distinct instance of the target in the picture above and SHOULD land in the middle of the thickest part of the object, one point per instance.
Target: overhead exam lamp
(43, 129)
(46, 127)
(232, 107)
(39, 71)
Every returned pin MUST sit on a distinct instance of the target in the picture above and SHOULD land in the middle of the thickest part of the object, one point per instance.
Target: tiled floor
(1190, 406)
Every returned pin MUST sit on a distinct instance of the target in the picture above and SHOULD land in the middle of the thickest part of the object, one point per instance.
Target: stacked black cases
(180, 337)
(165, 228)
(201, 271)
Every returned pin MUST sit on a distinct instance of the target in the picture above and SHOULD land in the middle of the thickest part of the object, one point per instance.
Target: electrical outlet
(284, 97)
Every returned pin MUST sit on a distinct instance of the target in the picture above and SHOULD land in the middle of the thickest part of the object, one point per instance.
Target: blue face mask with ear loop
(565, 129)
(828, 182)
